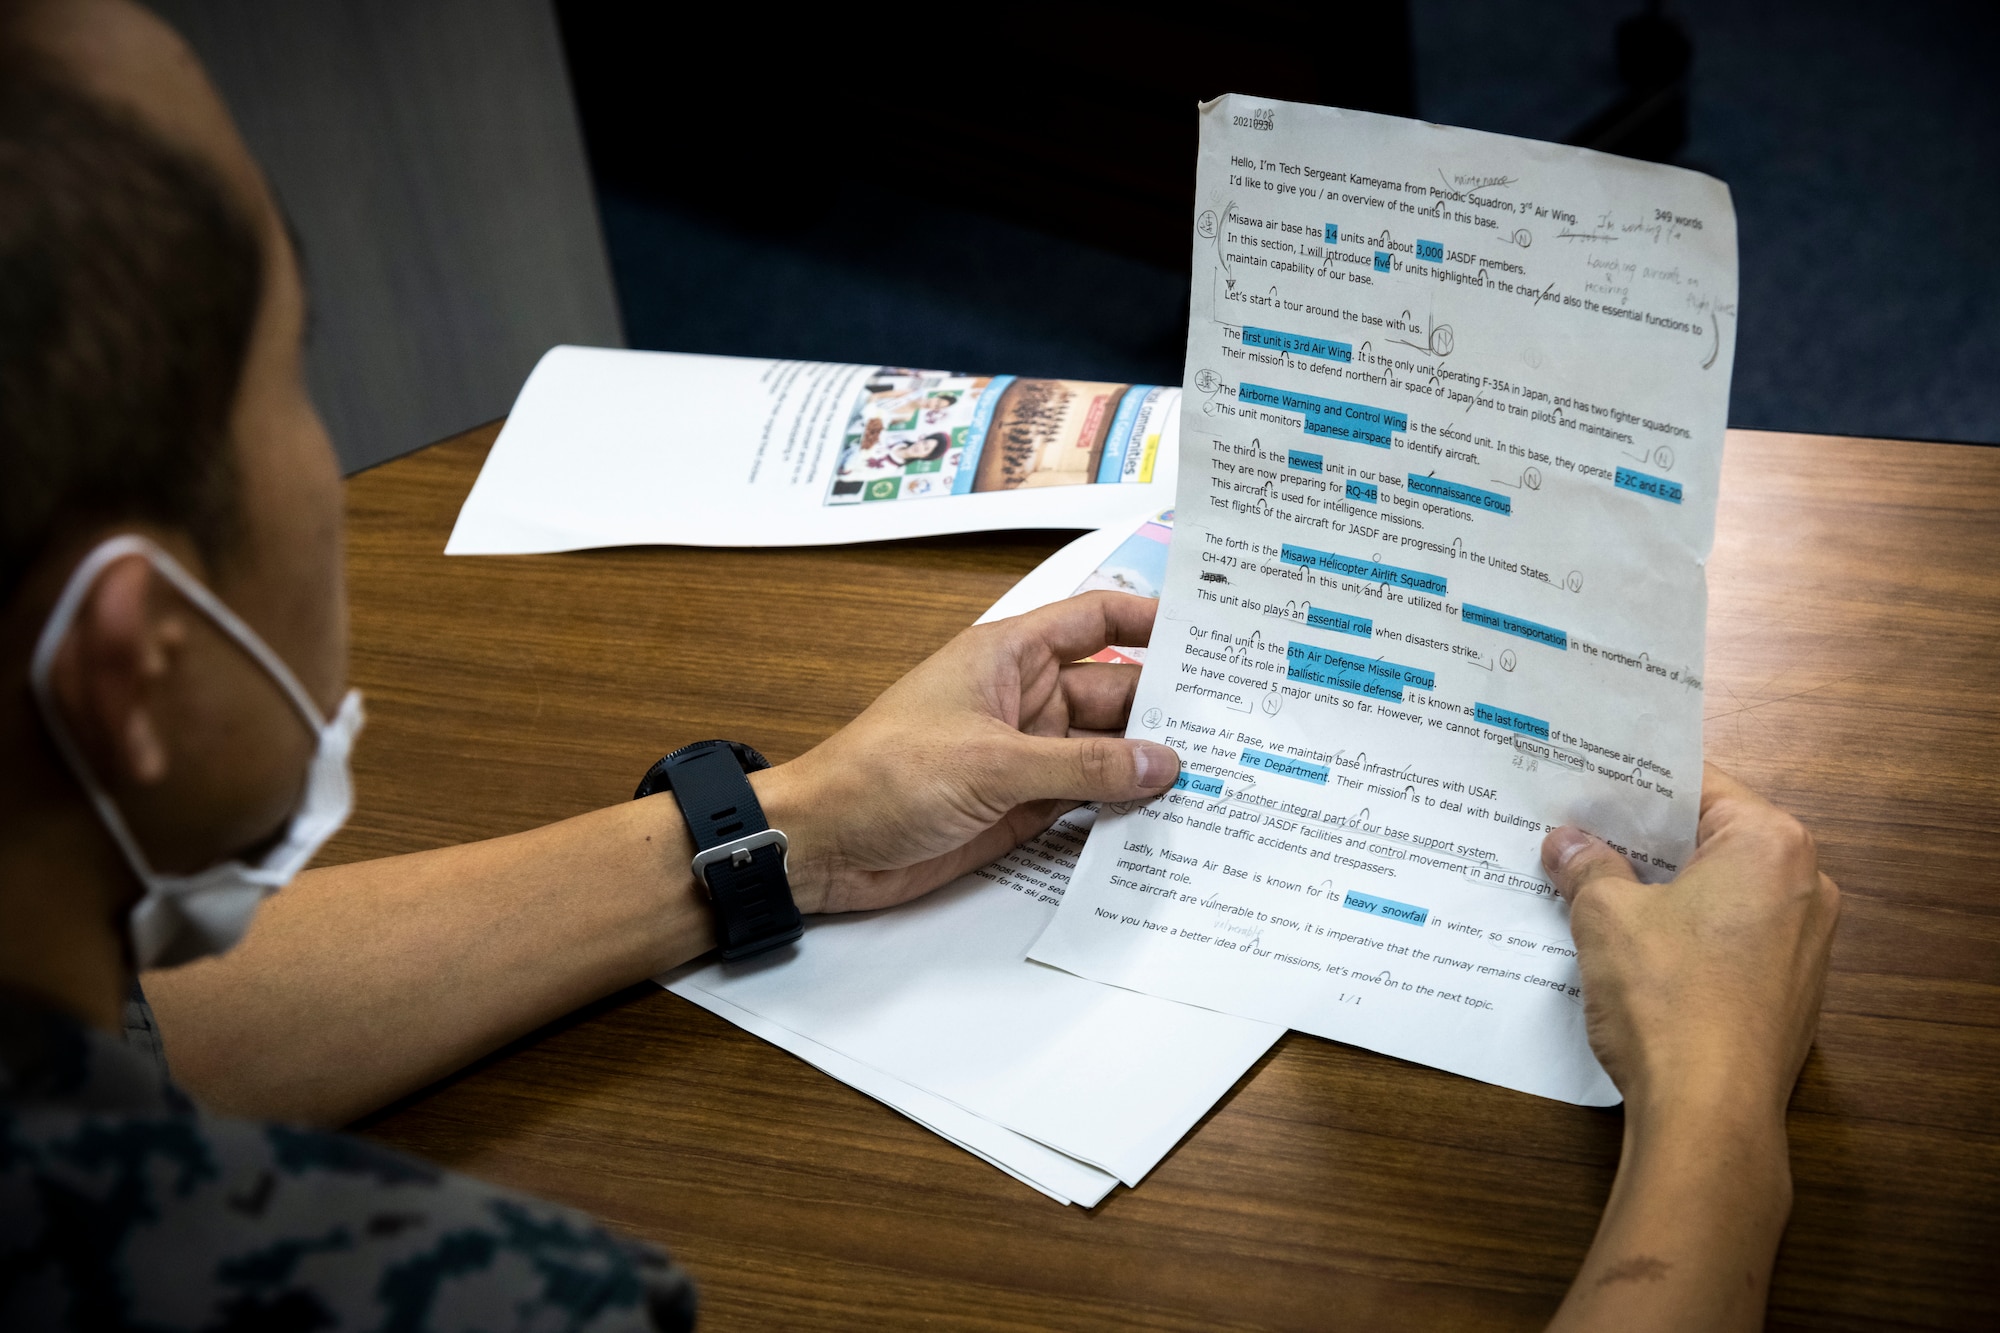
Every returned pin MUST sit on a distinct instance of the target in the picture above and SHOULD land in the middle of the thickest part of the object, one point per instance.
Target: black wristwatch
(740, 860)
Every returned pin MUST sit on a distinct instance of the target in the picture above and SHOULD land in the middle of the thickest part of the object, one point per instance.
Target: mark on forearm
(1643, 1268)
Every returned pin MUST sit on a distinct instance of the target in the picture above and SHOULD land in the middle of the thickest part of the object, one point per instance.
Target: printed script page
(1453, 427)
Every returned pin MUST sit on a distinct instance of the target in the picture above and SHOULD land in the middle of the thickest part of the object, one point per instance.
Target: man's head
(150, 381)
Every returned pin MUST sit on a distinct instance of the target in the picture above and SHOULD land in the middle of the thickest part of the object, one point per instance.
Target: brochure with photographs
(617, 448)
(921, 433)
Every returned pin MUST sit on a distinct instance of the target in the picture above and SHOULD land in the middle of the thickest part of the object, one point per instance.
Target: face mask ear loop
(40, 666)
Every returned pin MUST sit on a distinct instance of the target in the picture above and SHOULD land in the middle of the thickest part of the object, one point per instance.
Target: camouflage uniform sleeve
(186, 1221)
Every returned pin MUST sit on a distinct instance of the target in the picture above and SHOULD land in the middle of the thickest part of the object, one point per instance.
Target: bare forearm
(1692, 1226)
(360, 983)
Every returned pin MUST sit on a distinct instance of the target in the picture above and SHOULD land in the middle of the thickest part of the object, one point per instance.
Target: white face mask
(185, 917)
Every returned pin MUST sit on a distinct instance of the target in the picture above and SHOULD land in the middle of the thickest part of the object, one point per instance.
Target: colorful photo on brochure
(1138, 566)
(915, 434)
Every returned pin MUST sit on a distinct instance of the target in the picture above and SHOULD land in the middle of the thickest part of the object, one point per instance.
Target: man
(172, 742)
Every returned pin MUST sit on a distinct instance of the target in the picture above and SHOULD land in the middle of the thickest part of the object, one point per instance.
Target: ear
(108, 677)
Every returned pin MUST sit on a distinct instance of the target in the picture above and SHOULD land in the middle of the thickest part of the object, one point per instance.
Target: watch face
(659, 777)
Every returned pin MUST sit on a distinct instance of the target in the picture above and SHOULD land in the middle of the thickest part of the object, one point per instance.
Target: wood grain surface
(1853, 669)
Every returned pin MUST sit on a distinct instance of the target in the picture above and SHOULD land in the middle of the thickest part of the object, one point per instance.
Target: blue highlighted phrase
(1298, 460)
(1506, 624)
(1657, 487)
(1298, 344)
(1199, 785)
(1368, 571)
(1510, 720)
(1372, 678)
(1431, 252)
(1437, 488)
(1364, 491)
(1265, 762)
(1381, 261)
(1333, 233)
(1389, 908)
(1331, 417)
(1318, 617)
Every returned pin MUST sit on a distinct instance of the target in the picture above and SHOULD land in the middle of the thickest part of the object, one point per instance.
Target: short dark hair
(129, 287)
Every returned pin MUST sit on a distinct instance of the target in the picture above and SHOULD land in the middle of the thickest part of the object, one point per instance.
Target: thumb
(1087, 768)
(1573, 859)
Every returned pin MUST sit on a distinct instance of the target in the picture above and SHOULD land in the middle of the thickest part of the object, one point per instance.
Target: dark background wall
(934, 207)
(1862, 144)
(1012, 193)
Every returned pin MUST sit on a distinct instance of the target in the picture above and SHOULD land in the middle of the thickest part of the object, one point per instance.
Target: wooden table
(1853, 673)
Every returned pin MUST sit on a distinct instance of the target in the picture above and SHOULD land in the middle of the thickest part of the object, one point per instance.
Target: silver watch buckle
(737, 852)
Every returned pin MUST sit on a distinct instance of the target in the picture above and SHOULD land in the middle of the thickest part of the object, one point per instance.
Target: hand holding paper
(1709, 987)
(975, 751)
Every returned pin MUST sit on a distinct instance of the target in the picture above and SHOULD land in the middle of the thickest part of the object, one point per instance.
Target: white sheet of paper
(936, 994)
(1062, 1178)
(617, 448)
(1449, 460)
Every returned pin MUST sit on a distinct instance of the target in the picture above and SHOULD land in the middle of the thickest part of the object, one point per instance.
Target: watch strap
(715, 795)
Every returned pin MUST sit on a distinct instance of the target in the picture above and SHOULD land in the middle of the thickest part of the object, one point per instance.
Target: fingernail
(1561, 845)
(1154, 767)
